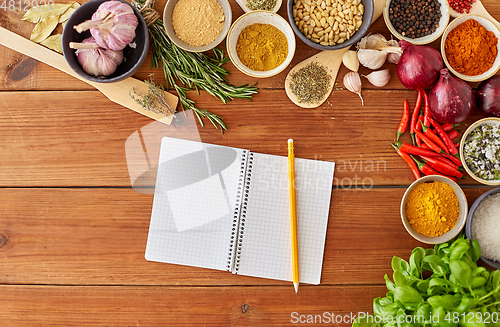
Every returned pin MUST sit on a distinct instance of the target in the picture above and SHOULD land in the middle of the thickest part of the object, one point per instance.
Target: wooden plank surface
(83, 142)
(52, 239)
(182, 306)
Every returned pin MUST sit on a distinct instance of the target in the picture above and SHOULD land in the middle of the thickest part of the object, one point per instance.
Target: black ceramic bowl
(468, 223)
(367, 20)
(133, 58)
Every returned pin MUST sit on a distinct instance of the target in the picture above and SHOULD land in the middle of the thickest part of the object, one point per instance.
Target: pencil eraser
(290, 140)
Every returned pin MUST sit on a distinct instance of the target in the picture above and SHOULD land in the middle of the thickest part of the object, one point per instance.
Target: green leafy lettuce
(440, 287)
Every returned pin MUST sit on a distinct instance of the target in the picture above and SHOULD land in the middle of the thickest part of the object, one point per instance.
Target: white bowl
(260, 17)
(493, 120)
(489, 26)
(167, 22)
(470, 217)
(445, 17)
(462, 214)
(243, 5)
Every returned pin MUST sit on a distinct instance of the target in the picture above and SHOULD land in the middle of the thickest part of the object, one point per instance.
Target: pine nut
(328, 22)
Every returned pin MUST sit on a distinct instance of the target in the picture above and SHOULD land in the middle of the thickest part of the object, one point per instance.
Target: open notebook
(228, 209)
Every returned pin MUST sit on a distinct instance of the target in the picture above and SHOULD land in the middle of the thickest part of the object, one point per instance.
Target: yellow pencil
(293, 215)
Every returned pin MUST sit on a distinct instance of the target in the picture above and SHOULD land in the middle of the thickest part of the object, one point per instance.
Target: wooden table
(73, 230)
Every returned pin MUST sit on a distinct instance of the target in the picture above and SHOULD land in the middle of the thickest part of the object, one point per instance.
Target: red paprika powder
(470, 49)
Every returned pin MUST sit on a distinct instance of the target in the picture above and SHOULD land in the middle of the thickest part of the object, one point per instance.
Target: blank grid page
(192, 215)
(266, 245)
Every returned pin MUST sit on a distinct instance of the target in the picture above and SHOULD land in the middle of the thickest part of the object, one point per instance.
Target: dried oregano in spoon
(196, 71)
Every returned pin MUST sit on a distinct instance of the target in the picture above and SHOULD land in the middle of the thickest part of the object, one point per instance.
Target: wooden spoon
(118, 92)
(243, 5)
(330, 60)
(477, 8)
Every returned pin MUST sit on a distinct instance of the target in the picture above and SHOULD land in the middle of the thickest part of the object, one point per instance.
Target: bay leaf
(53, 42)
(38, 13)
(44, 28)
(65, 16)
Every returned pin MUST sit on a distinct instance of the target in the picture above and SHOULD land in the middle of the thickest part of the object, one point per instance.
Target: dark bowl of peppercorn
(418, 21)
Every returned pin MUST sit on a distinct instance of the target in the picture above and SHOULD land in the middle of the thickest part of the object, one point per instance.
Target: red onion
(419, 65)
(488, 97)
(451, 100)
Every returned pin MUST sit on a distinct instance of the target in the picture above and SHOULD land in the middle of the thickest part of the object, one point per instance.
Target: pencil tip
(290, 140)
(296, 286)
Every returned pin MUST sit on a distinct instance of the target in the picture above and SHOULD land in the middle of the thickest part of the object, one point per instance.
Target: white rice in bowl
(486, 227)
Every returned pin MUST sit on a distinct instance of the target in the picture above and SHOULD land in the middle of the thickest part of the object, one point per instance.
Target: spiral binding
(239, 212)
(246, 191)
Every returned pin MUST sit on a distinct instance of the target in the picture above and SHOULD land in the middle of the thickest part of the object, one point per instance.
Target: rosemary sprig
(195, 71)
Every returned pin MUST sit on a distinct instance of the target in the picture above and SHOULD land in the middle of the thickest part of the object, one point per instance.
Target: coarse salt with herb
(486, 226)
(482, 151)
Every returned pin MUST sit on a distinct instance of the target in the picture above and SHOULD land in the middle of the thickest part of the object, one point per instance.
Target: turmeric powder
(262, 47)
(432, 208)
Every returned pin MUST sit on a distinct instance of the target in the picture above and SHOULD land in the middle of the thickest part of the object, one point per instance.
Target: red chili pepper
(406, 157)
(453, 134)
(442, 167)
(428, 170)
(427, 111)
(411, 149)
(444, 136)
(425, 146)
(431, 135)
(445, 161)
(403, 125)
(457, 145)
(434, 147)
(414, 116)
(418, 127)
(454, 159)
(447, 127)
(420, 121)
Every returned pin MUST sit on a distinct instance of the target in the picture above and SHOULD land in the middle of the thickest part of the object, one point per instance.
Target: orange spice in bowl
(432, 208)
(471, 49)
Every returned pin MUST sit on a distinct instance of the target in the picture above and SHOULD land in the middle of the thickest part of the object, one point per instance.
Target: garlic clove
(95, 60)
(393, 43)
(113, 25)
(393, 58)
(350, 60)
(379, 42)
(352, 82)
(109, 61)
(379, 78)
(373, 59)
(372, 41)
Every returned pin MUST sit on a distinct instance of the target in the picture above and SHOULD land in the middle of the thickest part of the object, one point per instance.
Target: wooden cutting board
(118, 92)
(330, 59)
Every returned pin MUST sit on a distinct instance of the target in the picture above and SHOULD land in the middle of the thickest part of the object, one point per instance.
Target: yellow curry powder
(262, 47)
(432, 208)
